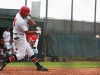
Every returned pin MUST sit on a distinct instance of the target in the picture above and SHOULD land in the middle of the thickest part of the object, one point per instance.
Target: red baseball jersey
(34, 37)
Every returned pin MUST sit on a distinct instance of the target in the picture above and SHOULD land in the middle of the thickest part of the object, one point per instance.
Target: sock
(35, 60)
(10, 59)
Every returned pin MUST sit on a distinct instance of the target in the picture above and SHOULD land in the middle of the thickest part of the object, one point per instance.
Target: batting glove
(38, 28)
(38, 32)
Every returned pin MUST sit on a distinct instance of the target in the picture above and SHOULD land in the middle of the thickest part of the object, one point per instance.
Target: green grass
(75, 64)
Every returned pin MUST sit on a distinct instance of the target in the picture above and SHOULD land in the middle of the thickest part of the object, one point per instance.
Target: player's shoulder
(19, 18)
(5, 32)
(20, 22)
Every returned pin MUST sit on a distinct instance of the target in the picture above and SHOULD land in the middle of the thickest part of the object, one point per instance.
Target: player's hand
(38, 32)
(38, 28)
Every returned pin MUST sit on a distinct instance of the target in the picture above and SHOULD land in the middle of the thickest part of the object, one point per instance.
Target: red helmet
(24, 11)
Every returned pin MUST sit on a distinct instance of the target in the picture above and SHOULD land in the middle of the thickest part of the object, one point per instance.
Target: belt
(18, 33)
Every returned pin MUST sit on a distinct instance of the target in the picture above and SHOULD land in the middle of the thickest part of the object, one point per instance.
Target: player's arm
(24, 28)
(32, 32)
(31, 21)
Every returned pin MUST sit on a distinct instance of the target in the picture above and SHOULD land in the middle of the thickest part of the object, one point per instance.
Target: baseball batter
(20, 29)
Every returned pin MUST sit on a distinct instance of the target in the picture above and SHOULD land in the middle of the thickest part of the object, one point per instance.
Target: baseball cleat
(41, 68)
(2, 64)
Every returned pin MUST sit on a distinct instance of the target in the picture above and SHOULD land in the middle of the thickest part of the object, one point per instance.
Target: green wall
(72, 45)
(4, 22)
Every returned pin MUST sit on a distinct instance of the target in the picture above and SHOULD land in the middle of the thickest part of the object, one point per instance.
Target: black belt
(18, 33)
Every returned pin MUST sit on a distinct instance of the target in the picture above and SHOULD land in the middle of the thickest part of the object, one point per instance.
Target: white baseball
(97, 36)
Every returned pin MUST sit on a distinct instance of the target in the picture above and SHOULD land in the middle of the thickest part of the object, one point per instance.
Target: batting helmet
(25, 11)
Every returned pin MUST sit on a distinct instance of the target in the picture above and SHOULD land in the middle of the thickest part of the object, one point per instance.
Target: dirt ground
(52, 71)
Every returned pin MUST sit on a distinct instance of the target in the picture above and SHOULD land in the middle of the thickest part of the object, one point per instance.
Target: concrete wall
(77, 27)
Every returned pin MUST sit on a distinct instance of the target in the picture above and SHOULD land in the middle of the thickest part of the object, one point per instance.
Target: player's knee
(22, 56)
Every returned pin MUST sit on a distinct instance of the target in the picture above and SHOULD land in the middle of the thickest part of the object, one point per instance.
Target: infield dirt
(52, 71)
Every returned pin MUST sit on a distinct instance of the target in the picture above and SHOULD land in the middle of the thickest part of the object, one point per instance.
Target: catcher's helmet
(24, 11)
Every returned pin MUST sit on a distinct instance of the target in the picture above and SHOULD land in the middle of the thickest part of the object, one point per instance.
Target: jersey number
(14, 21)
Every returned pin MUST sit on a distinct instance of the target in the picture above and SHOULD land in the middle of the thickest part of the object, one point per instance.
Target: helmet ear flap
(24, 11)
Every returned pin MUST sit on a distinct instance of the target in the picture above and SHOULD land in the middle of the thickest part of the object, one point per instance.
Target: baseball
(97, 36)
